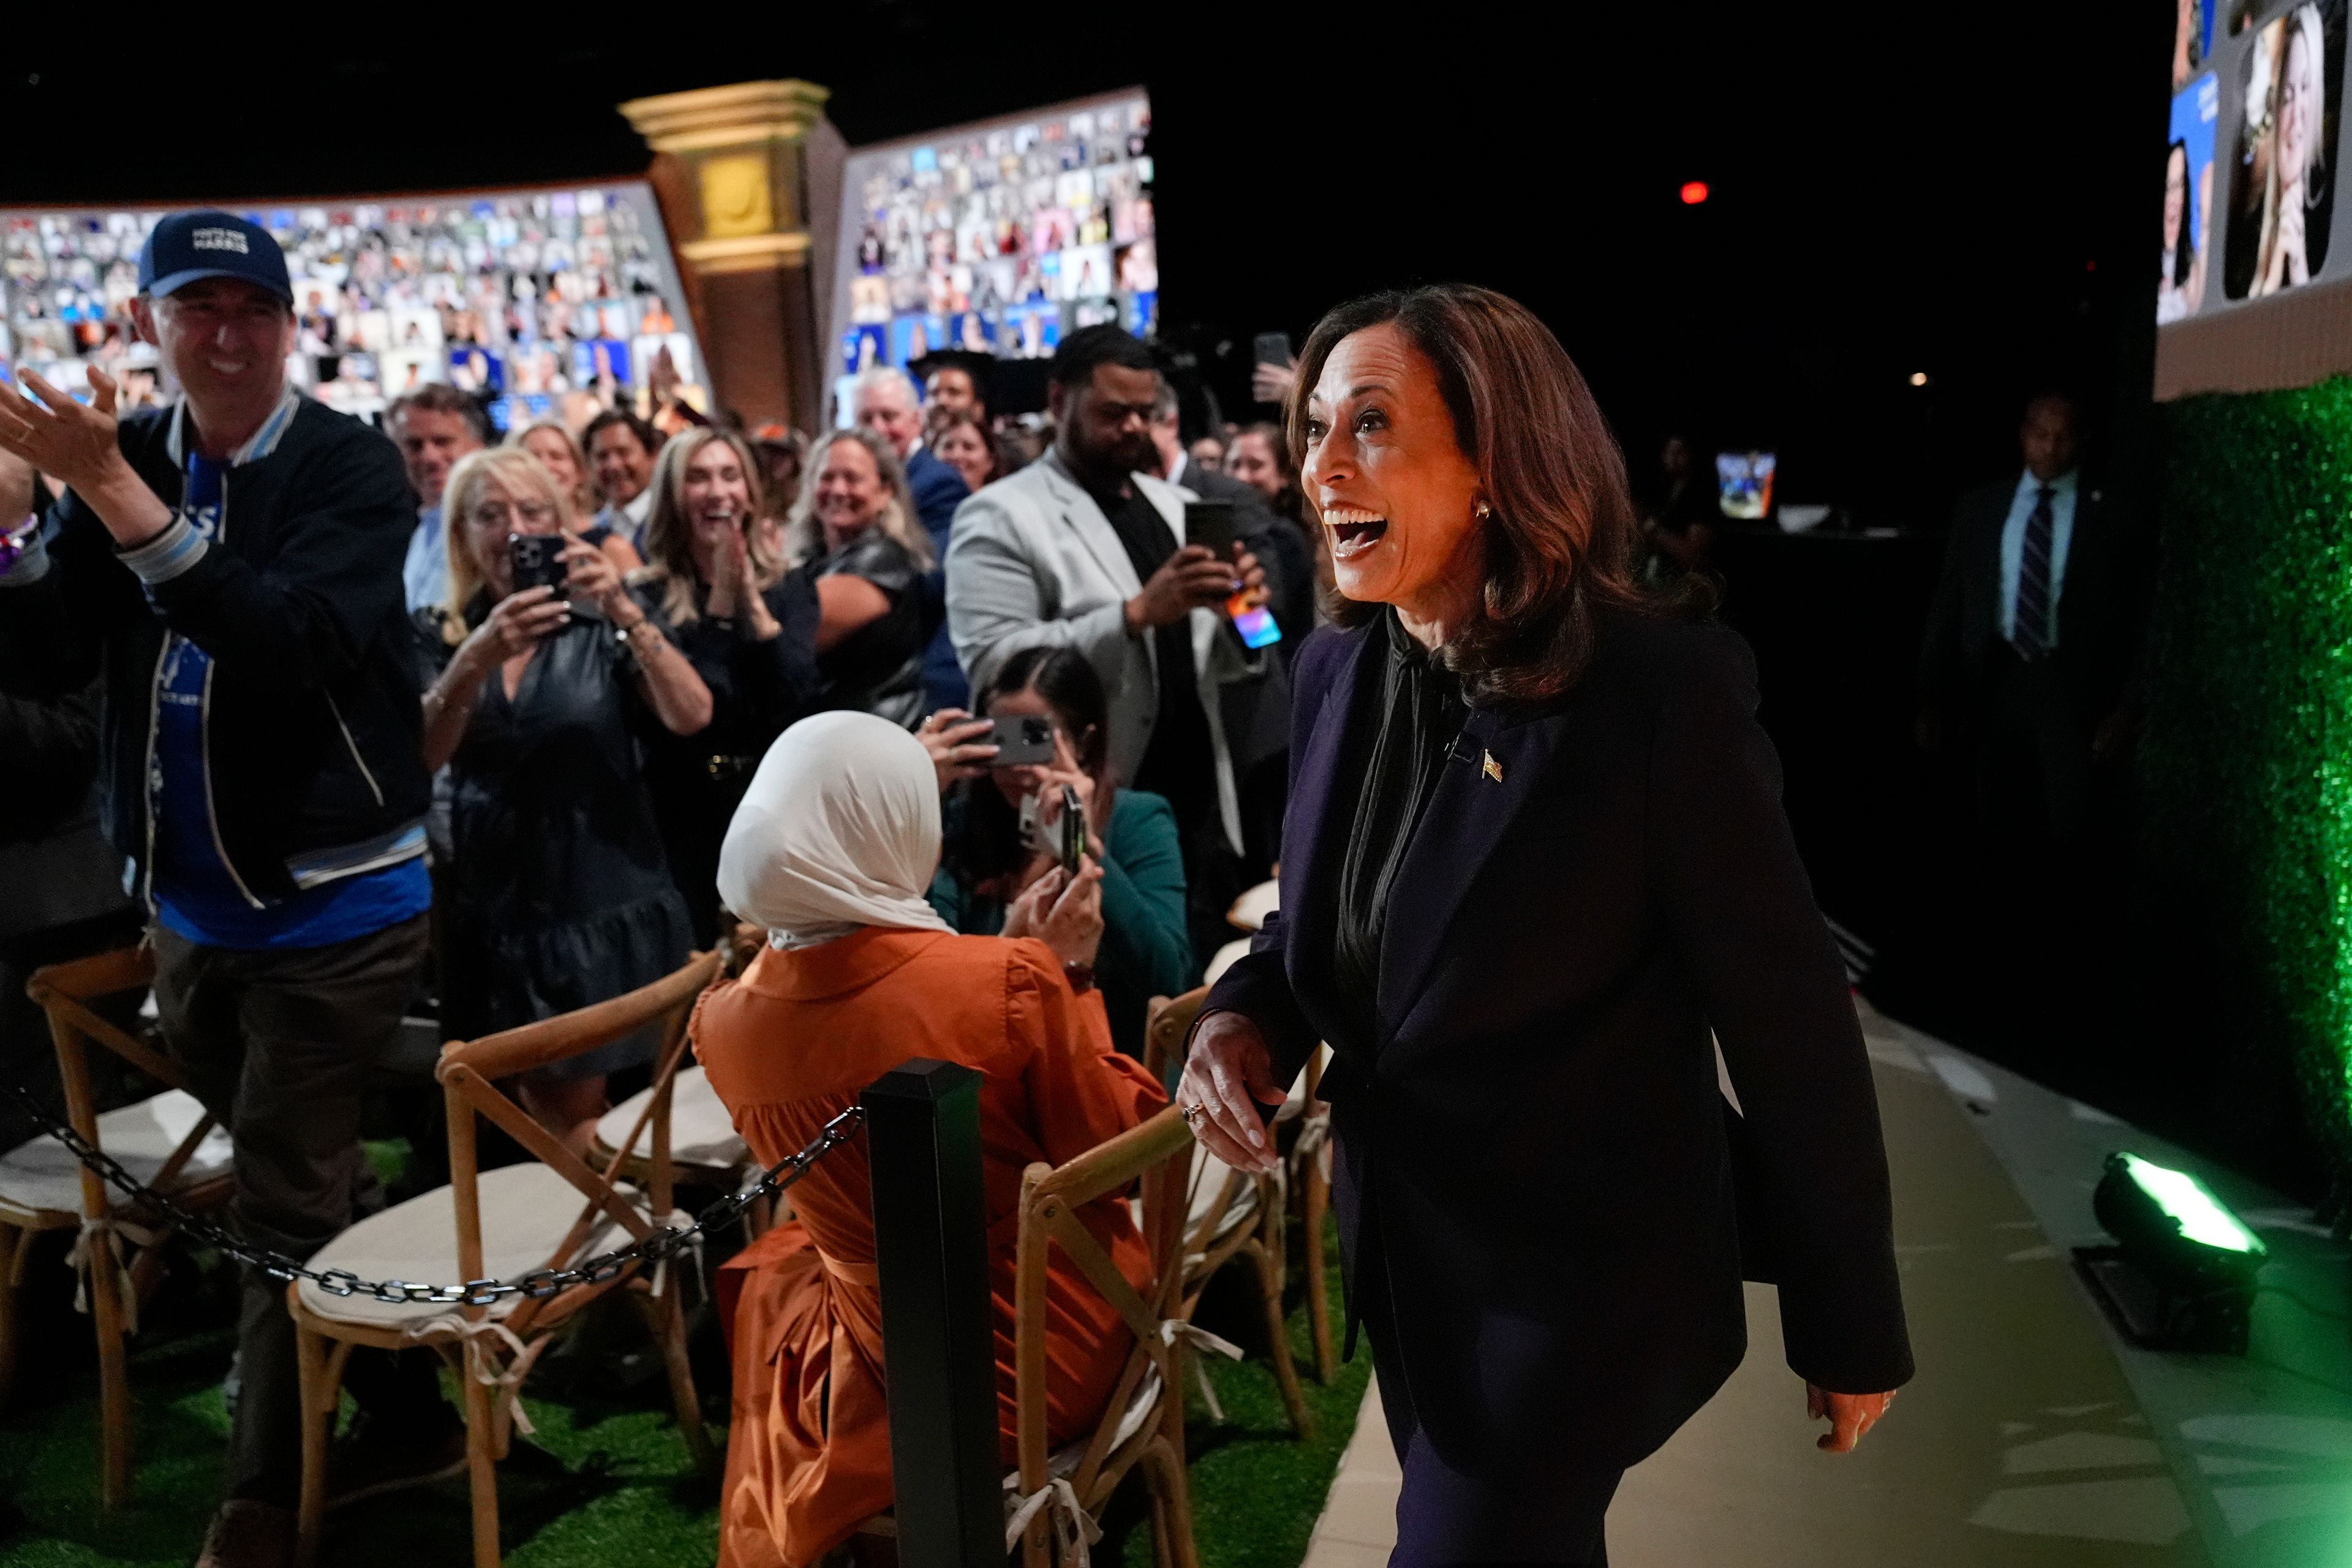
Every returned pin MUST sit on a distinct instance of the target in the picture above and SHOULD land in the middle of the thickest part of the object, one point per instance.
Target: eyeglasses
(499, 514)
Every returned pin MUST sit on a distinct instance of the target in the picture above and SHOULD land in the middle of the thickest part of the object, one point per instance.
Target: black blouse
(879, 668)
(758, 690)
(1419, 712)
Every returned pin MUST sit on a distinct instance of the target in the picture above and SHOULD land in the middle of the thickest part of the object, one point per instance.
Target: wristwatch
(1081, 977)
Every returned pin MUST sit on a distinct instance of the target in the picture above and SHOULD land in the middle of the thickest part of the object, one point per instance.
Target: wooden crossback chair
(1235, 1215)
(1143, 1423)
(168, 1142)
(498, 1223)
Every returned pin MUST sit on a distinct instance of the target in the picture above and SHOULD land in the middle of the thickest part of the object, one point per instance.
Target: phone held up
(1271, 348)
(1074, 831)
(1021, 740)
(1211, 523)
(536, 561)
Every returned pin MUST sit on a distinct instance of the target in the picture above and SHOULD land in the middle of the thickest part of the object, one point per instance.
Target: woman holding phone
(538, 696)
(1003, 829)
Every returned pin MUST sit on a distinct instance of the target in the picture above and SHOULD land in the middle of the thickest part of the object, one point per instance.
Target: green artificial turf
(605, 1482)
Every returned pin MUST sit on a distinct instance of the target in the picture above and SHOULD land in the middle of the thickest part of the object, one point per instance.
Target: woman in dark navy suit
(1534, 854)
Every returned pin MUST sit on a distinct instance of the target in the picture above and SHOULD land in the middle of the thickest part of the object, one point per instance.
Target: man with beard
(1083, 550)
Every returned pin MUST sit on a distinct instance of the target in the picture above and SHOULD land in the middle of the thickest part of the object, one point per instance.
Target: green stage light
(2182, 1275)
(2198, 1213)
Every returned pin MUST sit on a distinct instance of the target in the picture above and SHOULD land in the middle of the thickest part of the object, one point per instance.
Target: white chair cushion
(1249, 910)
(1222, 960)
(701, 1132)
(43, 1176)
(526, 1212)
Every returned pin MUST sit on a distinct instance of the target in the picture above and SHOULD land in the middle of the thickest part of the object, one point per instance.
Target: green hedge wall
(2246, 754)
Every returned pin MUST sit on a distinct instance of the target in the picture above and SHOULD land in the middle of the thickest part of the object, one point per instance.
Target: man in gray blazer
(1084, 549)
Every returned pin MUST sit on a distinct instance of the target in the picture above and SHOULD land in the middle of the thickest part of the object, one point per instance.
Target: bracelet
(629, 640)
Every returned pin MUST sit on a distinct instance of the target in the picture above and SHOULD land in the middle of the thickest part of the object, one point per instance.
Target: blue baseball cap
(188, 246)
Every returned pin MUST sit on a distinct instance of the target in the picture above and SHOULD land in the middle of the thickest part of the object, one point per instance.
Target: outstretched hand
(1850, 1416)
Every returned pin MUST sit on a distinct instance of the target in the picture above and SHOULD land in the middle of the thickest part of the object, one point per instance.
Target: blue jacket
(311, 718)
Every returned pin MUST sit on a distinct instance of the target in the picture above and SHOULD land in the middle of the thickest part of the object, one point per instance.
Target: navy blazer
(1534, 1163)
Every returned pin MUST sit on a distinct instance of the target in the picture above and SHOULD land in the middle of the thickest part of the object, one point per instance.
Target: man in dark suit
(2028, 648)
(885, 400)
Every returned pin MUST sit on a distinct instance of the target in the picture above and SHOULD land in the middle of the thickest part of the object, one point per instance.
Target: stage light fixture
(1694, 193)
(1918, 378)
(2182, 1275)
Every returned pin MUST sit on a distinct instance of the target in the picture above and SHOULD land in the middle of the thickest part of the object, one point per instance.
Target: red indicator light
(1694, 193)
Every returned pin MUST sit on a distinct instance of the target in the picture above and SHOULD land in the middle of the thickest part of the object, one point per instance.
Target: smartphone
(1255, 624)
(1023, 741)
(1211, 522)
(1271, 348)
(1073, 831)
(536, 561)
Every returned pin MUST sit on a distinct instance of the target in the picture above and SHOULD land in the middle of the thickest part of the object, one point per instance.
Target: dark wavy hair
(1560, 546)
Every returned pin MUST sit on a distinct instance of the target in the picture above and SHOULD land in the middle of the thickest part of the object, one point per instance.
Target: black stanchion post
(930, 1248)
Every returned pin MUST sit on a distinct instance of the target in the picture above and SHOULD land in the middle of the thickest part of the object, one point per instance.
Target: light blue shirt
(2012, 547)
(425, 574)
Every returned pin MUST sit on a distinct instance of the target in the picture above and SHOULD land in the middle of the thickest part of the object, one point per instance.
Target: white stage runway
(2033, 1436)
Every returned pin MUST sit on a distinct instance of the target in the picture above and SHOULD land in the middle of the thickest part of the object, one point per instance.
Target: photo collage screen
(2249, 162)
(530, 297)
(997, 239)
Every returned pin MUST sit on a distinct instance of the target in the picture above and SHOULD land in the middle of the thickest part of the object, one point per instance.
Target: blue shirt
(2012, 547)
(197, 893)
(425, 574)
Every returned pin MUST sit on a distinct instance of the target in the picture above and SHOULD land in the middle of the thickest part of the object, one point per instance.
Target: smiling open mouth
(1352, 530)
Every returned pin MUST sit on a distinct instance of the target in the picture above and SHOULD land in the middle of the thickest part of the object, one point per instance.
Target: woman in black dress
(558, 894)
(854, 534)
(748, 627)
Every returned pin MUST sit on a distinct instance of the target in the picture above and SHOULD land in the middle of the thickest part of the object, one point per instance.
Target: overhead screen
(530, 296)
(996, 237)
(2250, 171)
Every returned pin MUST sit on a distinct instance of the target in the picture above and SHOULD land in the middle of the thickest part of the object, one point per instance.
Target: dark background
(1904, 189)
(1970, 192)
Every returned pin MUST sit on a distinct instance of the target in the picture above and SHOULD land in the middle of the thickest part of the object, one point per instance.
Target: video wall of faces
(530, 297)
(2252, 160)
(998, 237)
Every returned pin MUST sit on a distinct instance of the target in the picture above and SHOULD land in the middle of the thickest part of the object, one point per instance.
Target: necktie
(2029, 633)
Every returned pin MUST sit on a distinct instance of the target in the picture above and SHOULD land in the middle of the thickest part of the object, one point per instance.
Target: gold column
(731, 170)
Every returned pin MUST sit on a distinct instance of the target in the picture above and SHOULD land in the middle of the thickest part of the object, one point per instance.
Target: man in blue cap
(232, 564)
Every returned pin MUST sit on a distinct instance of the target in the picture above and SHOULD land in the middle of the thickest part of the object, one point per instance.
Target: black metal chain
(539, 1284)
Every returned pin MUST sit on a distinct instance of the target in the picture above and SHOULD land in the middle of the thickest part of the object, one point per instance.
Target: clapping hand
(57, 436)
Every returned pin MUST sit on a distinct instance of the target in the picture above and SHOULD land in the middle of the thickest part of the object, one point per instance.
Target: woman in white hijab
(831, 851)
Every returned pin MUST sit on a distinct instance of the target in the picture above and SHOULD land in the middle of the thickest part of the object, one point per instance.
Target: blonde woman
(2300, 165)
(853, 532)
(557, 894)
(747, 626)
(552, 443)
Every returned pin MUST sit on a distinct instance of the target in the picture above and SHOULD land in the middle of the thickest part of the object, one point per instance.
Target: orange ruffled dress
(788, 1046)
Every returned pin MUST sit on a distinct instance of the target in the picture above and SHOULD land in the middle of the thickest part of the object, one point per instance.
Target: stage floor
(2033, 1436)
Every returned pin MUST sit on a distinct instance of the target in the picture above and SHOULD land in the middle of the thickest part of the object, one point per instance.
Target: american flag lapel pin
(1491, 768)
